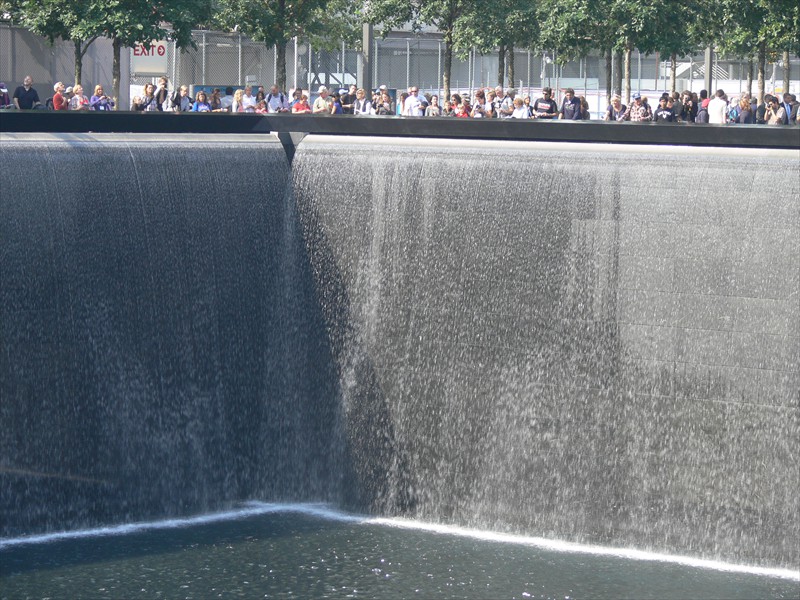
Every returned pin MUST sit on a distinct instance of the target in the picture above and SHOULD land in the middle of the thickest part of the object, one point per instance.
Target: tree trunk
(750, 75)
(116, 44)
(786, 73)
(448, 63)
(78, 60)
(501, 66)
(627, 73)
(510, 65)
(618, 73)
(673, 74)
(280, 75)
(609, 82)
(762, 60)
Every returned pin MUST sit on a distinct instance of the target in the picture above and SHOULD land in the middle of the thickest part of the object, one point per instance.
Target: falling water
(597, 344)
(584, 343)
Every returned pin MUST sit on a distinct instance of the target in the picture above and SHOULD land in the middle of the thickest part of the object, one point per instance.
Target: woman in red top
(301, 106)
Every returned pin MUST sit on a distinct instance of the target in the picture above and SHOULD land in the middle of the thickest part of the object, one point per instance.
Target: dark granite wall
(590, 343)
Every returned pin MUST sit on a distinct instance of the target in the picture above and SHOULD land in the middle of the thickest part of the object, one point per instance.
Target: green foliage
(326, 22)
(498, 23)
(742, 27)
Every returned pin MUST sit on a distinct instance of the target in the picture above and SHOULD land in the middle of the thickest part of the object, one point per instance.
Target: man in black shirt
(570, 106)
(348, 100)
(25, 97)
(663, 114)
(545, 107)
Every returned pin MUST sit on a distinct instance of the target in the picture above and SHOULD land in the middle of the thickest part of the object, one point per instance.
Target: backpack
(49, 103)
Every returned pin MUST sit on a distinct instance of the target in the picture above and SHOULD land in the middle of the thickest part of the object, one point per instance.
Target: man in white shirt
(413, 106)
(276, 101)
(507, 104)
(248, 100)
(227, 99)
(718, 108)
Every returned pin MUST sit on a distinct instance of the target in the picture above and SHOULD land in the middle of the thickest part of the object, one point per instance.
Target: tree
(277, 22)
(502, 24)
(765, 28)
(130, 22)
(573, 28)
(448, 16)
(54, 19)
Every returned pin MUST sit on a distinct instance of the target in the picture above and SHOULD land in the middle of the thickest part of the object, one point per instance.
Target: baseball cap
(68, 90)
(3, 88)
(637, 96)
(383, 88)
(321, 89)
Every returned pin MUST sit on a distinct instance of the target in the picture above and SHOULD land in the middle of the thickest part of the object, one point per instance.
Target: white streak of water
(324, 511)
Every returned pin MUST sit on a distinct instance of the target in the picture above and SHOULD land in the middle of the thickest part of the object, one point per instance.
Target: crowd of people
(497, 103)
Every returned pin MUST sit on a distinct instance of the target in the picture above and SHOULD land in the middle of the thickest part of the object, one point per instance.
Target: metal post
(709, 60)
(612, 91)
(375, 66)
(740, 77)
(585, 76)
(528, 74)
(309, 66)
(408, 64)
(203, 74)
(470, 67)
(439, 72)
(174, 63)
(365, 58)
(639, 71)
(658, 71)
(342, 64)
(294, 75)
(274, 64)
(239, 77)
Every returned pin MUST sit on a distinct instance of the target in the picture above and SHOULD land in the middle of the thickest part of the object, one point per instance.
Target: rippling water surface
(304, 551)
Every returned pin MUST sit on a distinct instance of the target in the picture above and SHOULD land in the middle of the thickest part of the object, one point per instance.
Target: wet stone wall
(597, 344)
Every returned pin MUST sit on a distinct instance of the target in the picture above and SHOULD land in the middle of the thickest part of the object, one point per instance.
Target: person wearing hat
(5, 99)
(323, 104)
(336, 104)
(638, 111)
(25, 96)
(59, 101)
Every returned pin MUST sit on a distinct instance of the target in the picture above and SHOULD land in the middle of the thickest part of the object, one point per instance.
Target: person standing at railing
(322, 105)
(545, 107)
(570, 106)
(25, 96)
(301, 106)
(162, 94)
(236, 103)
(59, 101)
(412, 106)
(276, 101)
(362, 106)
(248, 100)
(78, 100)
(616, 110)
(99, 101)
